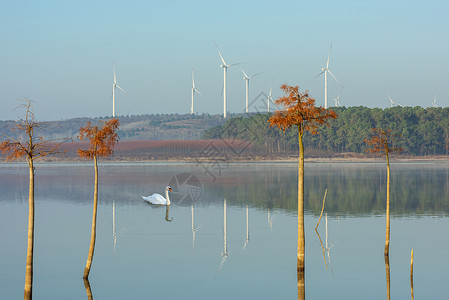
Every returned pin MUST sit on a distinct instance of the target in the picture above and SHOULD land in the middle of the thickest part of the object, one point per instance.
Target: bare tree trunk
(28, 292)
(94, 224)
(301, 237)
(387, 231)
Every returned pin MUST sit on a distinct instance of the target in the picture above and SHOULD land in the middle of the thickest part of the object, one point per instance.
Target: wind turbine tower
(194, 90)
(247, 78)
(325, 71)
(114, 86)
(269, 98)
(225, 68)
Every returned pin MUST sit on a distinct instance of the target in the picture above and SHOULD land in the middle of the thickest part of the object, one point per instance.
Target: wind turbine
(337, 100)
(225, 68)
(194, 90)
(247, 78)
(325, 71)
(114, 86)
(434, 103)
(392, 103)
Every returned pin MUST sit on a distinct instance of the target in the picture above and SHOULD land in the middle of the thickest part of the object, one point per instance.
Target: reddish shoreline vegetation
(210, 150)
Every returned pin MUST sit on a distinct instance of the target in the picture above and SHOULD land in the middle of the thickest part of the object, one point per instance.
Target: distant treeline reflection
(353, 191)
(353, 188)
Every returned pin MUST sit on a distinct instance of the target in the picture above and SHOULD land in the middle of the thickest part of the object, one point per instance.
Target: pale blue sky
(61, 53)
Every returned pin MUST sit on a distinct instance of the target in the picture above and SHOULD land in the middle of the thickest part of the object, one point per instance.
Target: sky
(61, 54)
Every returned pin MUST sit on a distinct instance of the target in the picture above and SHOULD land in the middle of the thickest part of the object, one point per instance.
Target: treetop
(299, 110)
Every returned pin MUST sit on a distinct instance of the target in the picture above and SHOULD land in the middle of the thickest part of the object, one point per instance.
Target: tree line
(422, 131)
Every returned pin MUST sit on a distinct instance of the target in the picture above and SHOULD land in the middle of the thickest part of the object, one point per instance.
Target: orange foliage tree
(102, 138)
(382, 142)
(29, 146)
(300, 111)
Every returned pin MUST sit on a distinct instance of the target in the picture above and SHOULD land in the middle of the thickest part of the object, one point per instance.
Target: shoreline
(196, 160)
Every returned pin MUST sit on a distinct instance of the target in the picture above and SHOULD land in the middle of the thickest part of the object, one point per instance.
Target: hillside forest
(422, 131)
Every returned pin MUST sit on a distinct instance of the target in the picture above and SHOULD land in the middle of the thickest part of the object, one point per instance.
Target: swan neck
(167, 197)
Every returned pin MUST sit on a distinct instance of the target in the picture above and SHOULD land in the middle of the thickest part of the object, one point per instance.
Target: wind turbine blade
(244, 74)
(120, 88)
(115, 77)
(341, 90)
(234, 65)
(319, 74)
(256, 74)
(221, 56)
(329, 56)
(271, 88)
(198, 92)
(193, 80)
(333, 76)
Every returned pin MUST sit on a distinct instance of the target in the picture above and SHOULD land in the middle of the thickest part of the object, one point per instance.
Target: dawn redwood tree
(30, 146)
(382, 142)
(102, 138)
(300, 111)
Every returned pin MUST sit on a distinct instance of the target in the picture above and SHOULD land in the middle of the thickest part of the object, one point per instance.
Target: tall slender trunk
(301, 237)
(94, 224)
(28, 292)
(387, 231)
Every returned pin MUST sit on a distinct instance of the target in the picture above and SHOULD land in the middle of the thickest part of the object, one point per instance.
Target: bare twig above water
(322, 209)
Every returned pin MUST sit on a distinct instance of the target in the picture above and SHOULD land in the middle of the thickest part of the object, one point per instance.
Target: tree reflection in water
(88, 289)
(301, 285)
(411, 274)
(326, 248)
(387, 270)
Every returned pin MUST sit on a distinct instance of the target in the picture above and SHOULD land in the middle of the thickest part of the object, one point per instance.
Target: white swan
(159, 199)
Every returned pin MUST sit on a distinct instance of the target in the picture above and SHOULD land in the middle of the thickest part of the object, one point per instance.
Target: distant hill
(141, 127)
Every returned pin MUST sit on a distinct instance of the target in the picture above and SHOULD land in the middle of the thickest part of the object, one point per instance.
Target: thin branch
(322, 209)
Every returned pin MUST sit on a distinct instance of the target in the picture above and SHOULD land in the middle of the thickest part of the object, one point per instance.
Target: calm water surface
(230, 233)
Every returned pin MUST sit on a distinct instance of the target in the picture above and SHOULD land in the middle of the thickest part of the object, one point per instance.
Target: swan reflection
(167, 211)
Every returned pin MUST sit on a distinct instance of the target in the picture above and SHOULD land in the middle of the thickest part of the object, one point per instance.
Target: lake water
(230, 233)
